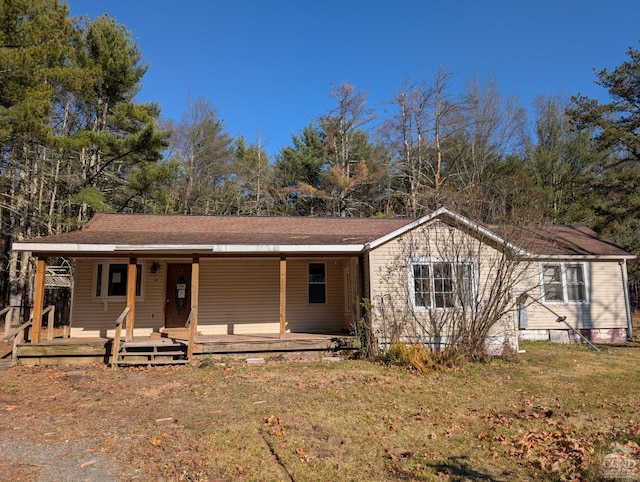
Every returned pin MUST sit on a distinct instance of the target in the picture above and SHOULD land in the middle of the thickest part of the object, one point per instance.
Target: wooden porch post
(283, 296)
(132, 277)
(38, 299)
(195, 293)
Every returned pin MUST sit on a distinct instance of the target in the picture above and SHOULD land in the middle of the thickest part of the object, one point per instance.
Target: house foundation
(609, 335)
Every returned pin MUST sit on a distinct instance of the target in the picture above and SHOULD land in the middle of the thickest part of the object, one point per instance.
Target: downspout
(627, 302)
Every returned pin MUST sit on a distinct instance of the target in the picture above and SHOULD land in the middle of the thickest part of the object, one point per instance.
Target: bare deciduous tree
(417, 134)
(204, 151)
(447, 285)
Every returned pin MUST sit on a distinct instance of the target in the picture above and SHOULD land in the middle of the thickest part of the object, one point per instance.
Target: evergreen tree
(34, 49)
(616, 130)
(298, 173)
(73, 141)
(563, 162)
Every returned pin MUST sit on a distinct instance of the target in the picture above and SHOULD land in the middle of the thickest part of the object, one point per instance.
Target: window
(564, 282)
(442, 284)
(111, 279)
(317, 283)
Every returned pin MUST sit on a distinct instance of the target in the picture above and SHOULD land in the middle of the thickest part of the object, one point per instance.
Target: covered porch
(278, 280)
(156, 308)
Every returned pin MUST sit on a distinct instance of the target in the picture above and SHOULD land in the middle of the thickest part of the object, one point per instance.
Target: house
(283, 276)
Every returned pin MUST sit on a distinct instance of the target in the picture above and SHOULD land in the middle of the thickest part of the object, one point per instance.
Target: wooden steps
(6, 356)
(179, 333)
(153, 352)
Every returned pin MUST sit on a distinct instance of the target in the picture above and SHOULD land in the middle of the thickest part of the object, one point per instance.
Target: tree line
(74, 142)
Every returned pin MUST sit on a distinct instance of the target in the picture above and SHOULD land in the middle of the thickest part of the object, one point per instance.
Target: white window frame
(454, 262)
(563, 273)
(104, 282)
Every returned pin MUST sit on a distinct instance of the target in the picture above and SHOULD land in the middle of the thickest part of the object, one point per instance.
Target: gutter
(78, 248)
(627, 301)
(575, 257)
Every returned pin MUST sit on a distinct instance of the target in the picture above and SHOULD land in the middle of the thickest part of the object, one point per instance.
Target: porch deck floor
(267, 337)
(207, 338)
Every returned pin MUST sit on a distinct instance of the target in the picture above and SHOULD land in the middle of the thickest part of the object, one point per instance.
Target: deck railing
(115, 348)
(18, 335)
(51, 312)
(8, 313)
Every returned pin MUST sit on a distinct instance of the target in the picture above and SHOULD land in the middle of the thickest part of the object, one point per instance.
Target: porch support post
(283, 296)
(38, 299)
(132, 277)
(195, 292)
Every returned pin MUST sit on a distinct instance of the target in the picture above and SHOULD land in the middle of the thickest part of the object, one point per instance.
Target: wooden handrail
(18, 333)
(49, 309)
(8, 314)
(190, 317)
(122, 316)
(19, 338)
(17, 330)
(115, 347)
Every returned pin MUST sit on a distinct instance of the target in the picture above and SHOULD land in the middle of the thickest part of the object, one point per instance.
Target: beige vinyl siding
(390, 289)
(242, 296)
(93, 317)
(239, 296)
(605, 307)
(303, 316)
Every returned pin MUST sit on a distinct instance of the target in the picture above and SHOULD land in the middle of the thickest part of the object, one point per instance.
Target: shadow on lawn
(459, 469)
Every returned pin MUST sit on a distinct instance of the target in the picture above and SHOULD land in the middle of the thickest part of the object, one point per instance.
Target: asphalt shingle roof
(169, 230)
(138, 229)
(559, 240)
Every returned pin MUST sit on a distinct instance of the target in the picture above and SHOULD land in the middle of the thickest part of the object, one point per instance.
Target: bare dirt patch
(553, 415)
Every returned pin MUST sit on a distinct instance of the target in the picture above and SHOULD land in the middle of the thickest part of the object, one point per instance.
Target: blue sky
(268, 66)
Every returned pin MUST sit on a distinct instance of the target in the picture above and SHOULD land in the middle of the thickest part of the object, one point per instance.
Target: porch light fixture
(155, 266)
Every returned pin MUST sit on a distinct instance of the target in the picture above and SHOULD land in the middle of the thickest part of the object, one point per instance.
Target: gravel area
(65, 462)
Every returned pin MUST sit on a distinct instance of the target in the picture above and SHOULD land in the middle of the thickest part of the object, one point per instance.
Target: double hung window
(442, 284)
(564, 283)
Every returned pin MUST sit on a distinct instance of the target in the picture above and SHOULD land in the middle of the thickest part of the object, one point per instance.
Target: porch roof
(120, 233)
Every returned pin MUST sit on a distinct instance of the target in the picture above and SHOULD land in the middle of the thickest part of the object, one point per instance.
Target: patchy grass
(551, 415)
